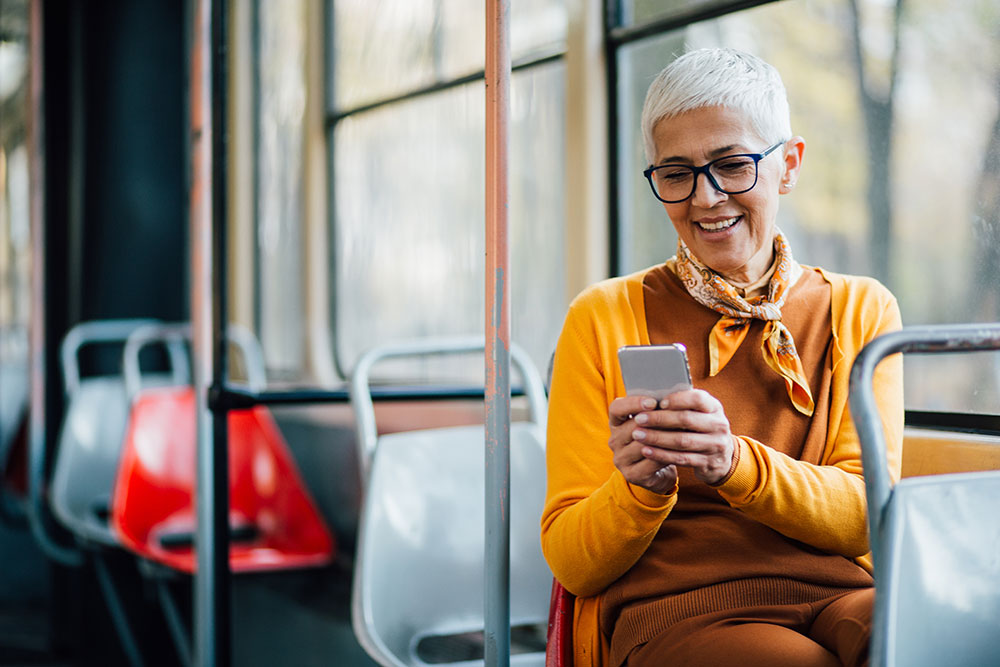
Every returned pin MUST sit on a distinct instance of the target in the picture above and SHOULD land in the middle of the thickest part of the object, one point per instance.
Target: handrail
(175, 337)
(89, 333)
(861, 397)
(361, 395)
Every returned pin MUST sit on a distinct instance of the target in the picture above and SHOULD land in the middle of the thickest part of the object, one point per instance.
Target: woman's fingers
(627, 452)
(688, 429)
(644, 471)
(624, 408)
(693, 410)
(649, 438)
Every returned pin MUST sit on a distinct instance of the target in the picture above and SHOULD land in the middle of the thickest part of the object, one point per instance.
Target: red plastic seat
(559, 639)
(274, 523)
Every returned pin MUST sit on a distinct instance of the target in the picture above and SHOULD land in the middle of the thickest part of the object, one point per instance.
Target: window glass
(640, 11)
(15, 242)
(902, 145)
(281, 32)
(409, 206)
(386, 48)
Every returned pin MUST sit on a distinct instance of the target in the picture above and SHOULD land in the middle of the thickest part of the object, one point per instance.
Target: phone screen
(654, 370)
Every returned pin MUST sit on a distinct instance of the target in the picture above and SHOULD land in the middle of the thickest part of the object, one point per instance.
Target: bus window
(899, 108)
(408, 175)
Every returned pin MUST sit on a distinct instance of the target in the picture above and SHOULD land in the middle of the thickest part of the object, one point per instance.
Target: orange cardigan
(595, 525)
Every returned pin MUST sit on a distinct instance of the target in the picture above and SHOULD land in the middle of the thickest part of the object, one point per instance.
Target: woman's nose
(706, 195)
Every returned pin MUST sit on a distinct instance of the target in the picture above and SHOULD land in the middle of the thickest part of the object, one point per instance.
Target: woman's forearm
(592, 539)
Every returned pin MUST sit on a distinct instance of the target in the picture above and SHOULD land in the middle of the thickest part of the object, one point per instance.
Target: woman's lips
(718, 224)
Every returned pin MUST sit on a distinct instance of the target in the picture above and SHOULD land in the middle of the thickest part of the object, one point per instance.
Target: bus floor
(55, 617)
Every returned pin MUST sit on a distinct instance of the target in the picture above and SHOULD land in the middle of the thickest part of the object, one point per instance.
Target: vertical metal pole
(497, 356)
(208, 303)
(41, 391)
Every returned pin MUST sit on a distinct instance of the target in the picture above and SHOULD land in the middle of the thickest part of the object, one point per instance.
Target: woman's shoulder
(852, 289)
(610, 293)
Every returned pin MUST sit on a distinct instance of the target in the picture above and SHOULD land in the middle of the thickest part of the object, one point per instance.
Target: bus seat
(420, 571)
(927, 452)
(559, 635)
(90, 438)
(942, 571)
(89, 444)
(418, 588)
(274, 523)
(935, 539)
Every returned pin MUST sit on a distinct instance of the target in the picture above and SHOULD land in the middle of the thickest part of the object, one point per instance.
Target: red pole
(497, 584)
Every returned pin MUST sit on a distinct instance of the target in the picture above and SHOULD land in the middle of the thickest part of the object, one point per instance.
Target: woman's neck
(757, 285)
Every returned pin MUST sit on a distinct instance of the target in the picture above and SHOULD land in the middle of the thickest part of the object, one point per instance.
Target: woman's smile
(715, 225)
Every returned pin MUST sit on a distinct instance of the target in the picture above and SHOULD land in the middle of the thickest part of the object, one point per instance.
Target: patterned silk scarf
(713, 291)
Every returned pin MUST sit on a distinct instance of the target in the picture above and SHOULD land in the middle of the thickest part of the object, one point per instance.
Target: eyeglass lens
(731, 175)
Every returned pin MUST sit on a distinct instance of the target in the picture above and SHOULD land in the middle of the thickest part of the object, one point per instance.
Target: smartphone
(654, 370)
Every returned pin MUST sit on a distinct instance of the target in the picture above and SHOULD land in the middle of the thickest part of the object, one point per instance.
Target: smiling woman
(743, 497)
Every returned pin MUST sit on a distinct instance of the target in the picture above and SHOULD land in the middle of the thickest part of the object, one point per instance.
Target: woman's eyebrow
(713, 153)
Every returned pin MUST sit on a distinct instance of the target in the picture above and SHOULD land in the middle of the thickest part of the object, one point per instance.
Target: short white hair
(718, 77)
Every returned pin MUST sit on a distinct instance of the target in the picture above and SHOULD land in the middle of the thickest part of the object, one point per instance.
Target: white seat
(420, 570)
(90, 439)
(942, 558)
(936, 539)
(419, 579)
(90, 443)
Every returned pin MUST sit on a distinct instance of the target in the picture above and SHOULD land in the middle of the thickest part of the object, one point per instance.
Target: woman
(725, 524)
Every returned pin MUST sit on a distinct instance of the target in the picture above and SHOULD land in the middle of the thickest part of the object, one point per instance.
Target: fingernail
(664, 403)
(646, 451)
(649, 403)
(638, 435)
(641, 418)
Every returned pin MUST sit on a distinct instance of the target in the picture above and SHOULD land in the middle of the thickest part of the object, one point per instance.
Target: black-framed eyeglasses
(732, 175)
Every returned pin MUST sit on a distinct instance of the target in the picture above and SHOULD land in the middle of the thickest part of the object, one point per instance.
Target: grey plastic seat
(419, 572)
(91, 436)
(935, 540)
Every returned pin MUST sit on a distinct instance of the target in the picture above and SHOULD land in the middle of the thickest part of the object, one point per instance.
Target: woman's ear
(795, 148)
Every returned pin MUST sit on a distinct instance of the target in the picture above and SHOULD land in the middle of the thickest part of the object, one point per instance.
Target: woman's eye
(674, 175)
(734, 165)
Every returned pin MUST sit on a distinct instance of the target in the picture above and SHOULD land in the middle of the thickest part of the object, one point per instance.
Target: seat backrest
(420, 571)
(90, 443)
(274, 522)
(942, 589)
(90, 439)
(935, 540)
(927, 452)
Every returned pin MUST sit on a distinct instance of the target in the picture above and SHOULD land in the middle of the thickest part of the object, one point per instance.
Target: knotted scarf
(713, 291)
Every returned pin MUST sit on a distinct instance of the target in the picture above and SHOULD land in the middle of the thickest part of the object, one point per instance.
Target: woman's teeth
(721, 224)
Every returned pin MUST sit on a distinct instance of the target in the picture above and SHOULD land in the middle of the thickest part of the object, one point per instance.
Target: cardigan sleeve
(825, 505)
(595, 525)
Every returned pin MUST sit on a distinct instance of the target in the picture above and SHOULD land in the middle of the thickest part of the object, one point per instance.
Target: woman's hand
(688, 428)
(628, 457)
